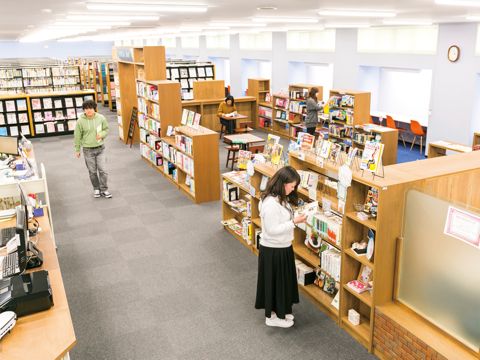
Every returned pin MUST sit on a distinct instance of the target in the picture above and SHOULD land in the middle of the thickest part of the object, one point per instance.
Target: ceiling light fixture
(346, 26)
(146, 7)
(278, 19)
(471, 3)
(97, 17)
(236, 24)
(357, 13)
(417, 22)
(46, 11)
(266, 8)
(92, 24)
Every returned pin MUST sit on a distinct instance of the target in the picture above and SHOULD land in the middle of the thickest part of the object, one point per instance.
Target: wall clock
(453, 53)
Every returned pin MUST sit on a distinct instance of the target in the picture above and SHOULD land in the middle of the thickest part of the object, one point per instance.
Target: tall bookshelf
(111, 87)
(476, 138)
(144, 64)
(260, 89)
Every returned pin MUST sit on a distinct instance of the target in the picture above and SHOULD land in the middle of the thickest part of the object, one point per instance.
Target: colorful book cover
(50, 127)
(243, 158)
(196, 120)
(10, 105)
(21, 105)
(48, 116)
(371, 156)
(190, 117)
(71, 114)
(325, 151)
(272, 140)
(69, 102)
(25, 129)
(184, 117)
(3, 131)
(37, 117)
(1, 106)
(23, 118)
(78, 102)
(71, 125)
(47, 103)
(276, 154)
(306, 141)
(60, 127)
(58, 104)
(39, 129)
(2, 119)
(13, 131)
(59, 115)
(11, 118)
(36, 104)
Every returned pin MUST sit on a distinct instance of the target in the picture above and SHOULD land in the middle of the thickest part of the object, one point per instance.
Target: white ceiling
(23, 17)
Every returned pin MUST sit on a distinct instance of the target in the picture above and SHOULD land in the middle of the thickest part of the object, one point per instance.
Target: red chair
(391, 124)
(417, 130)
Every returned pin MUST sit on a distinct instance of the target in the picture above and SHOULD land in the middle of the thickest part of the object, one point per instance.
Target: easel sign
(133, 124)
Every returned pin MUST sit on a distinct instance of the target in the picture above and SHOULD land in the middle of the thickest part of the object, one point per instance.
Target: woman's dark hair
(230, 97)
(312, 93)
(89, 104)
(276, 186)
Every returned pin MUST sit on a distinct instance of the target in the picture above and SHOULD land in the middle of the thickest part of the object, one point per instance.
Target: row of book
(299, 107)
(298, 94)
(328, 227)
(70, 114)
(176, 157)
(342, 115)
(10, 73)
(340, 131)
(55, 127)
(191, 71)
(58, 103)
(148, 124)
(341, 101)
(153, 110)
(152, 156)
(13, 105)
(330, 261)
(184, 143)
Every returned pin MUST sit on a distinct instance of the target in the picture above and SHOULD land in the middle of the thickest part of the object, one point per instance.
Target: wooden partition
(208, 89)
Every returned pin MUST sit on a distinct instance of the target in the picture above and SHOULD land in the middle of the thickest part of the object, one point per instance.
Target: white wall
(53, 49)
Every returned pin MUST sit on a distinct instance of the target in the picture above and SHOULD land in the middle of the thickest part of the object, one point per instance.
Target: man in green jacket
(90, 131)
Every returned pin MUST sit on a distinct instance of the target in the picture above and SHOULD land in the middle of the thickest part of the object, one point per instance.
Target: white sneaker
(107, 194)
(287, 316)
(275, 321)
(96, 193)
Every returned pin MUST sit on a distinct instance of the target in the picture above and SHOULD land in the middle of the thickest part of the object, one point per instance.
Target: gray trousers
(95, 161)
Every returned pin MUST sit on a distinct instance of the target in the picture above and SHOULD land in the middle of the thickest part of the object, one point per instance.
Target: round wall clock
(453, 53)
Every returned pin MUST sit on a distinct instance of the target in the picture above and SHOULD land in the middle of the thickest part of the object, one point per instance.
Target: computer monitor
(9, 145)
(22, 232)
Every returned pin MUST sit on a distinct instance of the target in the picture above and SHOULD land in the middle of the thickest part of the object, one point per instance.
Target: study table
(244, 140)
(233, 119)
(47, 334)
(439, 148)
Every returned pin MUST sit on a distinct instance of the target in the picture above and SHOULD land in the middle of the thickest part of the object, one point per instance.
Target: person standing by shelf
(224, 109)
(313, 107)
(90, 132)
(277, 288)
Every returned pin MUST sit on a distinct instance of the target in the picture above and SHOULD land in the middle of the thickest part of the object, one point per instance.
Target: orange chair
(417, 130)
(391, 124)
(371, 120)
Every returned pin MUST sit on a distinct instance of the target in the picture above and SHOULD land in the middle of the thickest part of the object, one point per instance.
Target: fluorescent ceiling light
(346, 26)
(473, 17)
(236, 24)
(278, 19)
(97, 17)
(472, 3)
(146, 7)
(91, 23)
(419, 22)
(357, 13)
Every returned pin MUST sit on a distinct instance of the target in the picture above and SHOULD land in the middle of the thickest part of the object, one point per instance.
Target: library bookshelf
(111, 87)
(189, 159)
(260, 89)
(187, 71)
(378, 306)
(41, 114)
(476, 138)
(142, 63)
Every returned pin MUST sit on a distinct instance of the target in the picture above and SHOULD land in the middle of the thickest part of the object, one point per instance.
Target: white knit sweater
(277, 224)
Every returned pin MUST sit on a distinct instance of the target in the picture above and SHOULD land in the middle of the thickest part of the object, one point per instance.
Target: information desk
(48, 334)
(439, 148)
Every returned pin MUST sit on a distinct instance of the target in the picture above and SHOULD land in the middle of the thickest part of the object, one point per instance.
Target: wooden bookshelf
(298, 94)
(208, 109)
(111, 88)
(476, 138)
(208, 89)
(145, 64)
(260, 89)
(387, 136)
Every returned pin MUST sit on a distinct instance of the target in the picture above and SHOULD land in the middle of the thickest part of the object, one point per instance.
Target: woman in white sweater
(277, 288)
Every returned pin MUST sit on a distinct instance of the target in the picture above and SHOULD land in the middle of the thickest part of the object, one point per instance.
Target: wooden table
(48, 334)
(439, 148)
(232, 118)
(244, 140)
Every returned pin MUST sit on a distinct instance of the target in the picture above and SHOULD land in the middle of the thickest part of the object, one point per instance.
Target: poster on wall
(463, 225)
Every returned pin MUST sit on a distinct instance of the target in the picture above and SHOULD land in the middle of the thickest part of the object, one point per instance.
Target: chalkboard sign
(133, 122)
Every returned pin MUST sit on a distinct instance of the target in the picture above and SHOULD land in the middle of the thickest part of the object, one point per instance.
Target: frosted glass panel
(439, 274)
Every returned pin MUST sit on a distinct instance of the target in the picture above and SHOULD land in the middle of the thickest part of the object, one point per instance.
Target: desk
(244, 140)
(439, 148)
(48, 334)
(230, 123)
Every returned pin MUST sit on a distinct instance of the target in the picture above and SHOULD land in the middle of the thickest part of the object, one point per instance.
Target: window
(311, 40)
(256, 41)
(399, 40)
(252, 68)
(218, 41)
(315, 74)
(190, 42)
(402, 93)
(169, 41)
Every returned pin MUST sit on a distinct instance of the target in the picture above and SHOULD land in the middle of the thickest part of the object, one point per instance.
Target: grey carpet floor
(150, 275)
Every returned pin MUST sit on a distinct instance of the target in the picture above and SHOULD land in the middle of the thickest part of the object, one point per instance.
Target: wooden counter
(440, 148)
(48, 334)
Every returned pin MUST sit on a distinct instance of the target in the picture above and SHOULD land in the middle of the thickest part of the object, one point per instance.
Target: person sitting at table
(226, 108)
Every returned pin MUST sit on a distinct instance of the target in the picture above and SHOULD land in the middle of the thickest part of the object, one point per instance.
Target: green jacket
(86, 131)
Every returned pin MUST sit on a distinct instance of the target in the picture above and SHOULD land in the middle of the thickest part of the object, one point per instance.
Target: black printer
(26, 294)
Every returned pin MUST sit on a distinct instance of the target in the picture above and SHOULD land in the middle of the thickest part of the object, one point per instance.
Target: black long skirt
(277, 288)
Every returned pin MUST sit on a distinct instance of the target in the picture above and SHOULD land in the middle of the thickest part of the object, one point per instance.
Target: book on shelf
(183, 73)
(47, 116)
(36, 104)
(60, 127)
(71, 114)
(39, 129)
(25, 129)
(201, 72)
(243, 157)
(47, 103)
(23, 118)
(196, 120)
(50, 127)
(37, 116)
(13, 131)
(11, 118)
(1, 106)
(3, 131)
(185, 113)
(21, 105)
(2, 119)
(372, 155)
(78, 101)
(209, 71)
(192, 72)
(306, 141)
(10, 105)
(58, 103)
(71, 125)
(59, 115)
(191, 116)
(357, 286)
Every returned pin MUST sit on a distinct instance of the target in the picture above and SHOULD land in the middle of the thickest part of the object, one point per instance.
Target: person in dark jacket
(313, 107)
